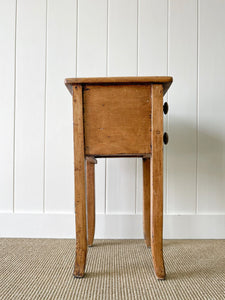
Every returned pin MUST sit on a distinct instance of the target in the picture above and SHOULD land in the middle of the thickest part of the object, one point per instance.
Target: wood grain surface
(117, 120)
(79, 173)
(164, 80)
(146, 201)
(90, 184)
(157, 181)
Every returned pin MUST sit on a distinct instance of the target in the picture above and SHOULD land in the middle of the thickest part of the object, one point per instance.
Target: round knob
(165, 108)
(165, 138)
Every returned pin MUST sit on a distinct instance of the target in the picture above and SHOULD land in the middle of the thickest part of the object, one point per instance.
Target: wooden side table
(119, 117)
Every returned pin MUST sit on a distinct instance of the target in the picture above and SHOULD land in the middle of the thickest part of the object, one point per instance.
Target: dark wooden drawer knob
(165, 108)
(165, 138)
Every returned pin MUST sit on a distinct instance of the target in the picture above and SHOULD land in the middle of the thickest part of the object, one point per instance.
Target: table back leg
(90, 175)
(146, 201)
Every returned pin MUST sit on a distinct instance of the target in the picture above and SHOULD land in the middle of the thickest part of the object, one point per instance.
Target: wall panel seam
(136, 168)
(107, 74)
(107, 39)
(167, 117)
(76, 67)
(45, 103)
(14, 112)
(137, 37)
(197, 107)
(136, 190)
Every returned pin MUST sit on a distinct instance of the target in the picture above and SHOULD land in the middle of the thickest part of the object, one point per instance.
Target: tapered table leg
(79, 170)
(157, 180)
(146, 201)
(90, 175)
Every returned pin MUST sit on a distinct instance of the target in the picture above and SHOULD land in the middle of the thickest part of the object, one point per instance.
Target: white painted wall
(41, 43)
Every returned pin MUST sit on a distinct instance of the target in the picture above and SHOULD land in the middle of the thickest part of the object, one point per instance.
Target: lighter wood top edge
(164, 80)
(131, 79)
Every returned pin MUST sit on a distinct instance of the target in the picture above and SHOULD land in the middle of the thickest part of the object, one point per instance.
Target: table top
(164, 80)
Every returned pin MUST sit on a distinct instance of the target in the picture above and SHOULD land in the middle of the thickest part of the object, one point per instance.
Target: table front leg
(157, 180)
(79, 172)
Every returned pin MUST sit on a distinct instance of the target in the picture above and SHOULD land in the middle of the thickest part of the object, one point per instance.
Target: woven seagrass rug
(116, 269)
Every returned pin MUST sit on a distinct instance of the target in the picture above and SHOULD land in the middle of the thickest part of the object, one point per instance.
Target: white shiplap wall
(41, 43)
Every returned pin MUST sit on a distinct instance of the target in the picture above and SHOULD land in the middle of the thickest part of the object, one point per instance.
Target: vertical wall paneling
(182, 114)
(92, 38)
(61, 63)
(91, 62)
(152, 37)
(211, 146)
(122, 39)
(7, 60)
(120, 190)
(30, 98)
(41, 43)
(100, 186)
(152, 59)
(122, 61)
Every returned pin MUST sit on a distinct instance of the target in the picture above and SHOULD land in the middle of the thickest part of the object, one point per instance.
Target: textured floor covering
(116, 269)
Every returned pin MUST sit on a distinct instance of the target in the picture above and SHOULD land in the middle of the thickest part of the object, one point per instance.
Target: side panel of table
(117, 119)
